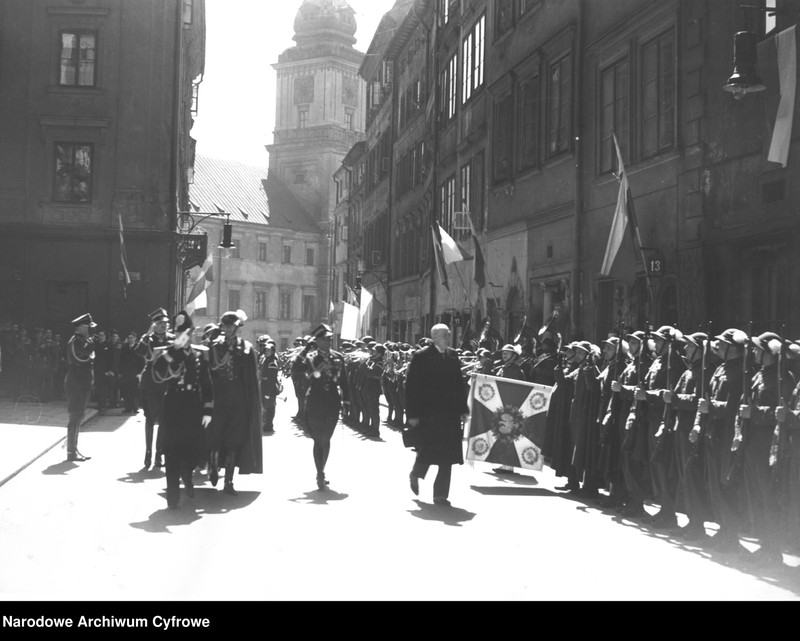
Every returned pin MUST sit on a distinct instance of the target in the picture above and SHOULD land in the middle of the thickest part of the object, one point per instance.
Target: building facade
(95, 128)
(523, 101)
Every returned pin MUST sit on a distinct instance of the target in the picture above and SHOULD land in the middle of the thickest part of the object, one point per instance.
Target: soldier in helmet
(771, 386)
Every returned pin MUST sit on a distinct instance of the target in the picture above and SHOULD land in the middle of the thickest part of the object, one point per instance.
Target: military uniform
(268, 368)
(760, 490)
(327, 390)
(152, 391)
(78, 382)
(234, 436)
(188, 398)
(373, 372)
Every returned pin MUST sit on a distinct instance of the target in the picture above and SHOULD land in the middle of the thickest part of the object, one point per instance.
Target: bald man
(436, 406)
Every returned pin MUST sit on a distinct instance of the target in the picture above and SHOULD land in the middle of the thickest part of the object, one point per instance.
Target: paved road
(100, 530)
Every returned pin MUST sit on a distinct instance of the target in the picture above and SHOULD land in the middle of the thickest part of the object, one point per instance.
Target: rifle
(736, 467)
(607, 414)
(629, 434)
(699, 428)
(778, 458)
(663, 437)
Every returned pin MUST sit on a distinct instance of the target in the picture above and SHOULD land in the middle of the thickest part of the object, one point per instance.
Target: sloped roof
(286, 212)
(383, 36)
(233, 187)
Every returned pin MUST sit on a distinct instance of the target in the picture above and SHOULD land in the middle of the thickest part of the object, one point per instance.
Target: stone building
(96, 105)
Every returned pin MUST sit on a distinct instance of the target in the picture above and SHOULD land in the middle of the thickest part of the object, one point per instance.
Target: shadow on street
(59, 468)
(447, 514)
(206, 501)
(512, 490)
(320, 497)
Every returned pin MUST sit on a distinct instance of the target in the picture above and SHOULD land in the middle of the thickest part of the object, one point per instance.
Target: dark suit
(436, 395)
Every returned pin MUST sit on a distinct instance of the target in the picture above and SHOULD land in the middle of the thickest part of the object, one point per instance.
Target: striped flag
(620, 257)
(507, 421)
(197, 298)
(123, 258)
(364, 311)
(480, 265)
(439, 257)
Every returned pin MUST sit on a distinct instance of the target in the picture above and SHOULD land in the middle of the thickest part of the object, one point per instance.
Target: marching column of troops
(698, 424)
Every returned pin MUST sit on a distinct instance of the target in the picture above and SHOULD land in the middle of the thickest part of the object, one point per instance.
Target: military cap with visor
(85, 319)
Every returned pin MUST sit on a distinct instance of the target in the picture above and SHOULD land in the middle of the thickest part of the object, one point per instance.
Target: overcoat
(436, 395)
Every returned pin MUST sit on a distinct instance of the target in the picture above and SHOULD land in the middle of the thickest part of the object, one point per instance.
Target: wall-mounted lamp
(745, 79)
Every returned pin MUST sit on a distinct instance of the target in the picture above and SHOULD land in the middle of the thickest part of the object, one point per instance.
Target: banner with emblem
(507, 421)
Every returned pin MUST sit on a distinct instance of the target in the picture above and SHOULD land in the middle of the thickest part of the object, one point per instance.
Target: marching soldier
(373, 373)
(327, 392)
(298, 377)
(615, 353)
(717, 429)
(152, 392)
(583, 420)
(234, 435)
(79, 381)
(188, 405)
(509, 363)
(268, 368)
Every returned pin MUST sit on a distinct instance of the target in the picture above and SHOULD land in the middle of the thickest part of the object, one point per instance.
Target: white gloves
(206, 420)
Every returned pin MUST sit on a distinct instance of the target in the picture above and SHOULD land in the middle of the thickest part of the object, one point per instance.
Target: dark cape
(557, 450)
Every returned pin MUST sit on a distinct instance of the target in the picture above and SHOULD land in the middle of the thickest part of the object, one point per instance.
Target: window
(444, 12)
(504, 18)
(348, 120)
(287, 255)
(309, 255)
(234, 298)
(614, 115)
(501, 151)
(302, 117)
(286, 304)
(452, 92)
(560, 105)
(262, 252)
(529, 123)
(308, 308)
(73, 180)
(466, 188)
(658, 94)
(447, 194)
(77, 66)
(261, 305)
(472, 59)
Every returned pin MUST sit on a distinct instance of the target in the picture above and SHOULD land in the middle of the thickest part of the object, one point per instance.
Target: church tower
(320, 110)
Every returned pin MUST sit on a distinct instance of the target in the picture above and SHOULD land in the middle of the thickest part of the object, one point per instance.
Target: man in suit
(436, 408)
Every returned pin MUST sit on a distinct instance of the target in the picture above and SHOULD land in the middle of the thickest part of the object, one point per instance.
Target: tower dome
(325, 20)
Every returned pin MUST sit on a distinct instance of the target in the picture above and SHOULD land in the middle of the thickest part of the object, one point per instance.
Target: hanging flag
(620, 257)
(787, 76)
(349, 322)
(197, 298)
(352, 298)
(364, 311)
(438, 258)
(123, 259)
(507, 421)
(331, 309)
(480, 265)
(450, 251)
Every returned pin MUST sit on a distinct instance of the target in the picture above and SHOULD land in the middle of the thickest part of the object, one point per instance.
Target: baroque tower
(319, 114)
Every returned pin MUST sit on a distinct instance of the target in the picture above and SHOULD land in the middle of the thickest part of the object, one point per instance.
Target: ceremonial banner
(197, 298)
(507, 421)
(349, 322)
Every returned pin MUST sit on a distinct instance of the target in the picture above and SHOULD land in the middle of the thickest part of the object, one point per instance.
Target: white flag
(450, 251)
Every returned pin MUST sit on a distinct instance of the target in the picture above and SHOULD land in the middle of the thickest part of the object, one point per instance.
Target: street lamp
(745, 79)
(189, 221)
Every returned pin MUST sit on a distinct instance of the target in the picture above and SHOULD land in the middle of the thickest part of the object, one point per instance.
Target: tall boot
(229, 467)
(148, 442)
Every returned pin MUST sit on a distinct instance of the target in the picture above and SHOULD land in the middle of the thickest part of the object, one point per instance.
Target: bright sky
(236, 108)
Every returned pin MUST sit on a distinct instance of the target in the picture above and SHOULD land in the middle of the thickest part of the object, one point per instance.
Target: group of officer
(205, 398)
(704, 425)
